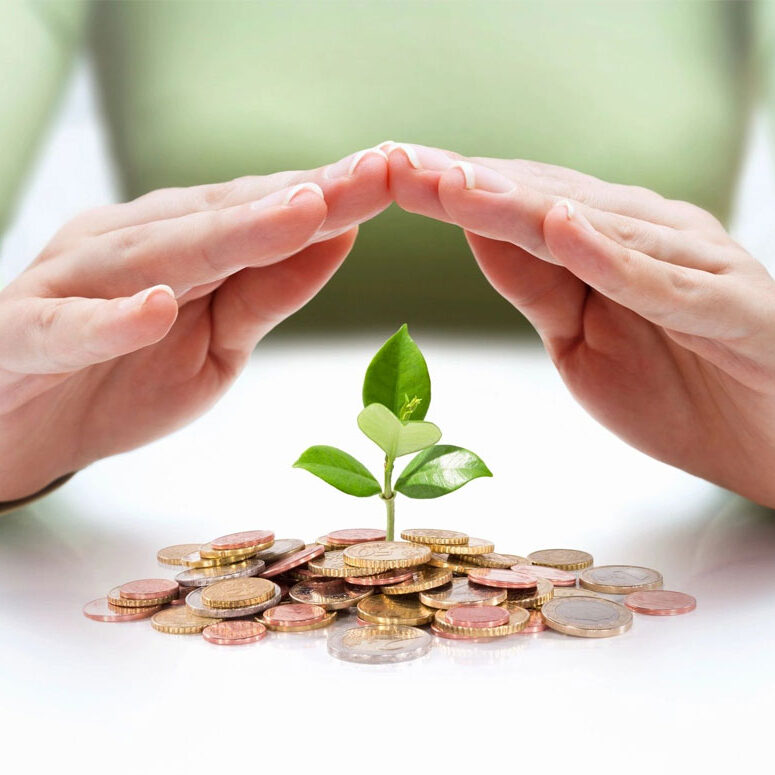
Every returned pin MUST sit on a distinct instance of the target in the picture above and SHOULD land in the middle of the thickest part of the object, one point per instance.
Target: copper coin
(355, 536)
(181, 598)
(148, 589)
(660, 602)
(242, 540)
(234, 633)
(295, 613)
(477, 616)
(558, 577)
(102, 611)
(395, 576)
(294, 560)
(495, 577)
(457, 636)
(535, 623)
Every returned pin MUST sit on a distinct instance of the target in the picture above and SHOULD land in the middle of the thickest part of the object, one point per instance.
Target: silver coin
(195, 605)
(201, 577)
(377, 644)
(282, 547)
(331, 594)
(462, 592)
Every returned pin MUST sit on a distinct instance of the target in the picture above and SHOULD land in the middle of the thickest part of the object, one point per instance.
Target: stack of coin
(133, 600)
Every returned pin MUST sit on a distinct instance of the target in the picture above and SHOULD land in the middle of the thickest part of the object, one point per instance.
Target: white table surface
(695, 690)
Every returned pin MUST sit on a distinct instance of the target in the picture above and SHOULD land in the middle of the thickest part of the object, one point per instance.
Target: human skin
(137, 317)
(661, 325)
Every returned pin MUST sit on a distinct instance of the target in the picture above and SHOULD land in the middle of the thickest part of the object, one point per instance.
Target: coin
(384, 555)
(234, 633)
(179, 621)
(325, 542)
(173, 555)
(114, 598)
(462, 592)
(421, 580)
(279, 550)
(355, 536)
(497, 560)
(534, 624)
(294, 560)
(587, 617)
(102, 611)
(379, 644)
(473, 547)
(381, 609)
(477, 616)
(295, 613)
(458, 636)
(317, 625)
(207, 552)
(558, 577)
(660, 602)
(619, 579)
(331, 594)
(448, 561)
(495, 577)
(428, 536)
(395, 576)
(532, 598)
(565, 559)
(181, 598)
(239, 592)
(333, 564)
(195, 560)
(516, 622)
(201, 577)
(243, 540)
(149, 589)
(574, 592)
(196, 606)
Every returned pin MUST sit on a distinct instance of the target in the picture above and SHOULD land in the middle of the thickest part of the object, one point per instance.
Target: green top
(651, 93)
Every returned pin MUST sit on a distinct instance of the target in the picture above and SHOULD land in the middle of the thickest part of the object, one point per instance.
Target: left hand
(660, 324)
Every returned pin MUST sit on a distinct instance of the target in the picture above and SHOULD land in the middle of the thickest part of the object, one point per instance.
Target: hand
(661, 325)
(136, 317)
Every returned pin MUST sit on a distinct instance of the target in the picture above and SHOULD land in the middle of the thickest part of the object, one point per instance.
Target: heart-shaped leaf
(440, 470)
(396, 438)
(339, 469)
(397, 374)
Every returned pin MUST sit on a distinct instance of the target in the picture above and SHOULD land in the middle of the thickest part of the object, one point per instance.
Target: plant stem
(390, 498)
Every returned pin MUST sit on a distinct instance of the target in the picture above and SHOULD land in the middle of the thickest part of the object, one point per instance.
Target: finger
(252, 302)
(55, 336)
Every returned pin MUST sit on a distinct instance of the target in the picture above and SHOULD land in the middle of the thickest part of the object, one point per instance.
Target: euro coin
(462, 592)
(331, 594)
(305, 627)
(379, 644)
(477, 616)
(473, 547)
(497, 560)
(564, 559)
(429, 536)
(247, 538)
(532, 598)
(173, 555)
(355, 536)
(179, 621)
(558, 577)
(294, 560)
(534, 624)
(234, 633)
(455, 564)
(381, 609)
(510, 579)
(587, 617)
(395, 576)
(574, 592)
(619, 579)
(195, 560)
(149, 589)
(457, 636)
(279, 550)
(421, 580)
(333, 564)
(237, 593)
(660, 602)
(201, 577)
(207, 552)
(294, 613)
(100, 610)
(517, 619)
(114, 598)
(384, 555)
(196, 606)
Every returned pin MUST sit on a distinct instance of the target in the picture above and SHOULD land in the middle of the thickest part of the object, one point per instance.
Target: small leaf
(394, 437)
(340, 470)
(397, 374)
(440, 470)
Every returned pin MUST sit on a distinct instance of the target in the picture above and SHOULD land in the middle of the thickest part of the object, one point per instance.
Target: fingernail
(407, 150)
(422, 157)
(297, 189)
(139, 299)
(469, 176)
(345, 168)
(483, 178)
(569, 208)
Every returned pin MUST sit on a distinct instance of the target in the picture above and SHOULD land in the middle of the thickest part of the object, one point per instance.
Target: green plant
(396, 397)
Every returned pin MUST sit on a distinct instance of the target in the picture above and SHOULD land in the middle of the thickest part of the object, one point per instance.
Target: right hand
(136, 317)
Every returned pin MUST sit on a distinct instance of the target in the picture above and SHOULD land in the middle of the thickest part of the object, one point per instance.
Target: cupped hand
(136, 317)
(660, 324)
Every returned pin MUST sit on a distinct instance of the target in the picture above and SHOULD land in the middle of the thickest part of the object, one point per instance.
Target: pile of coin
(236, 587)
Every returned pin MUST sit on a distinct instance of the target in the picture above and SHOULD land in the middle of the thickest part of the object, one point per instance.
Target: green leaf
(397, 374)
(440, 470)
(339, 469)
(396, 438)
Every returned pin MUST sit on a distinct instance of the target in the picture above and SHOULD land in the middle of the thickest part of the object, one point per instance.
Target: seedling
(396, 397)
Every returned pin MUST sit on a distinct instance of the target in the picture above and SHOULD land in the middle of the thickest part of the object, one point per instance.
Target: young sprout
(395, 423)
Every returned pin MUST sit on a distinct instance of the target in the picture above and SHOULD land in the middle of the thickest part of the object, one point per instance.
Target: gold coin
(428, 536)
(195, 560)
(328, 544)
(332, 564)
(207, 552)
(564, 559)
(462, 592)
(587, 617)
(452, 563)
(237, 593)
(381, 609)
(533, 598)
(173, 555)
(179, 620)
(517, 620)
(114, 598)
(423, 579)
(331, 594)
(573, 592)
(619, 579)
(384, 555)
(324, 622)
(498, 560)
(473, 547)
